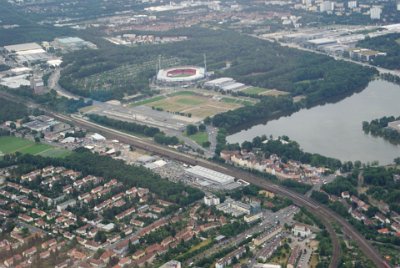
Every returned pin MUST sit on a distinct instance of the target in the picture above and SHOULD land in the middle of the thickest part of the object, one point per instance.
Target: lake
(335, 130)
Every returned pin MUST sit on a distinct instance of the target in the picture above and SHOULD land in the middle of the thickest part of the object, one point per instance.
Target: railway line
(323, 213)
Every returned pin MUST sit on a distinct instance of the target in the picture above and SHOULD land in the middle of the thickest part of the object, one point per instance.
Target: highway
(326, 215)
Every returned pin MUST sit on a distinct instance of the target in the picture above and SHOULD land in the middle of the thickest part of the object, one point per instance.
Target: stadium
(181, 74)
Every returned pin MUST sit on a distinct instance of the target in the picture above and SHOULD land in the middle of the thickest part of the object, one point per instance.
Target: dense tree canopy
(255, 62)
(379, 127)
(11, 111)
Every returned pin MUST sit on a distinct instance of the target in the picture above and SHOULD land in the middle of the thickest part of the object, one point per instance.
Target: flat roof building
(210, 175)
(22, 47)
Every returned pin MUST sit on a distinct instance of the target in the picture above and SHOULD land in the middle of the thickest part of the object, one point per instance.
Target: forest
(9, 111)
(50, 100)
(253, 61)
(390, 44)
(379, 127)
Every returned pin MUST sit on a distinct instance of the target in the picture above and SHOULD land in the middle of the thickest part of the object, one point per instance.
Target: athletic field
(197, 104)
(10, 144)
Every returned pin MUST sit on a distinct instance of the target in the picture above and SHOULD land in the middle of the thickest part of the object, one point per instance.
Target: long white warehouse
(210, 175)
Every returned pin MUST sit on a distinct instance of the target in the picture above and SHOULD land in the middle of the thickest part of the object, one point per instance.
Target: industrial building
(41, 123)
(22, 47)
(68, 44)
(225, 84)
(15, 81)
(364, 54)
(210, 176)
(28, 52)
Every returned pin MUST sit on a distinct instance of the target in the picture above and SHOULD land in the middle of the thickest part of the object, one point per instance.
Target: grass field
(274, 93)
(200, 245)
(238, 101)
(11, 144)
(199, 137)
(147, 101)
(182, 93)
(200, 106)
(254, 90)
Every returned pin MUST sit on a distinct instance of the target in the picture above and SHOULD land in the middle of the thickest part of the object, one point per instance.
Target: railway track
(326, 215)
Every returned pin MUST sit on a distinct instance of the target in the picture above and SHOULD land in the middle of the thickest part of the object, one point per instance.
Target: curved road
(326, 215)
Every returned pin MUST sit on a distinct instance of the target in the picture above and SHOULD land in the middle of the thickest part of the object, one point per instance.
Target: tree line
(379, 127)
(132, 127)
(51, 100)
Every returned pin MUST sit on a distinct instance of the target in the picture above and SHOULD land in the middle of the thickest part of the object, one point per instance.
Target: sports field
(198, 105)
(9, 144)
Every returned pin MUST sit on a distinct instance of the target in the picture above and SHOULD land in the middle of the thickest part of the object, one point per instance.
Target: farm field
(189, 102)
(13, 144)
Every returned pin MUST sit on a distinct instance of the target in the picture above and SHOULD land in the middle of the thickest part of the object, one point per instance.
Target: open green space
(182, 93)
(199, 137)
(254, 90)
(200, 245)
(12, 144)
(237, 101)
(190, 101)
(149, 100)
(55, 152)
(9, 144)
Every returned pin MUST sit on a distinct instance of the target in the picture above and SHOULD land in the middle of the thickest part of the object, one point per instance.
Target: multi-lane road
(326, 215)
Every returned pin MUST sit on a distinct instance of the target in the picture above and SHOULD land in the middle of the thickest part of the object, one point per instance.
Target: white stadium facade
(181, 74)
